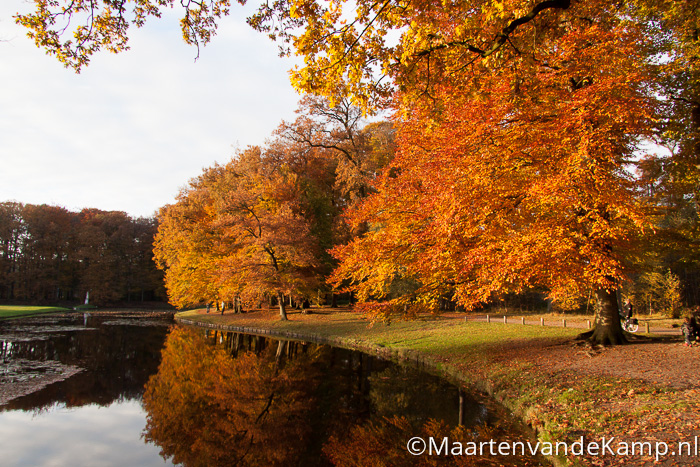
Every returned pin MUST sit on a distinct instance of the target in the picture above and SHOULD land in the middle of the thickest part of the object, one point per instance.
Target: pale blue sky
(132, 128)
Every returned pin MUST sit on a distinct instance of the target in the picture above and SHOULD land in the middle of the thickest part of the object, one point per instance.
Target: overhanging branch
(503, 36)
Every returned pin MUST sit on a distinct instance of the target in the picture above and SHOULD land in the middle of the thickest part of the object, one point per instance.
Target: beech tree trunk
(283, 312)
(608, 330)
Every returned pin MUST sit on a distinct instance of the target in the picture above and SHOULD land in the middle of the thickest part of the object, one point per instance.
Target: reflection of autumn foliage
(284, 404)
(383, 444)
(206, 408)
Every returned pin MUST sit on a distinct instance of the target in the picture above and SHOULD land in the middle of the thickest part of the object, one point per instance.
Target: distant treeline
(49, 254)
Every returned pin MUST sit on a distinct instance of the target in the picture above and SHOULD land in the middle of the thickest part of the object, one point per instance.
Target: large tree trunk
(280, 300)
(608, 330)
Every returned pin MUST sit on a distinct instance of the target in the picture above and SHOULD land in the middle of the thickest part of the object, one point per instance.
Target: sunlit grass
(14, 311)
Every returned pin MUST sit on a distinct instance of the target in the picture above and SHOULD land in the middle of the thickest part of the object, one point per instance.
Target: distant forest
(49, 254)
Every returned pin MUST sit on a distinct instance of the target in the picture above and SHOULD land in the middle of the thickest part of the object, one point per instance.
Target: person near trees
(688, 331)
(629, 310)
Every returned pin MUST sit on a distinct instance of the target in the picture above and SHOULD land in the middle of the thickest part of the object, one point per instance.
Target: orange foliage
(239, 230)
(511, 171)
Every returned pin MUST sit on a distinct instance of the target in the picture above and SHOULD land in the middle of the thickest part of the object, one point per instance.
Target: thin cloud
(132, 128)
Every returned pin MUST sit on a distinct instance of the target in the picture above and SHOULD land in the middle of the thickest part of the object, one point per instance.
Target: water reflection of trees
(116, 360)
(285, 403)
(396, 392)
(206, 408)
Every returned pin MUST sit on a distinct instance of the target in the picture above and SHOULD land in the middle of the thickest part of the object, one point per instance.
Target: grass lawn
(562, 389)
(13, 311)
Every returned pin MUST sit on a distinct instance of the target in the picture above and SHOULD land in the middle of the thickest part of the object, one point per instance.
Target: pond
(132, 389)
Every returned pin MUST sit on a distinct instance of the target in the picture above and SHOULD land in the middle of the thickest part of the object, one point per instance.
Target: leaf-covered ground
(646, 392)
(638, 403)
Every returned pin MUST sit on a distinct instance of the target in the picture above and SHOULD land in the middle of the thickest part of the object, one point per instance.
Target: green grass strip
(13, 311)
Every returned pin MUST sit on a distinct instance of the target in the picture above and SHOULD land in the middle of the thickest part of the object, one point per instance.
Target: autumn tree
(103, 240)
(259, 205)
(251, 231)
(11, 233)
(338, 133)
(144, 280)
(513, 175)
(186, 245)
(337, 155)
(49, 266)
(263, 224)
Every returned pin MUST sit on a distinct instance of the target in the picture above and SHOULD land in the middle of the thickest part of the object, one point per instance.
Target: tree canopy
(242, 233)
(261, 225)
(516, 174)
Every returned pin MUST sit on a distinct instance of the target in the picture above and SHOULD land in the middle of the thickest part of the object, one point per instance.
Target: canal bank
(621, 405)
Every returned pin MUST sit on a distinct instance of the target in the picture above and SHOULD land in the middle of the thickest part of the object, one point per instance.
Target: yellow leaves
(103, 24)
(497, 11)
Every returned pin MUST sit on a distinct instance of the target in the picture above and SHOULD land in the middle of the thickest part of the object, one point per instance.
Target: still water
(132, 389)
(71, 387)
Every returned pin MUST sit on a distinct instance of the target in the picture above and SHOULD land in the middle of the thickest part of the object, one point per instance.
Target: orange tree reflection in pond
(231, 399)
(206, 408)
